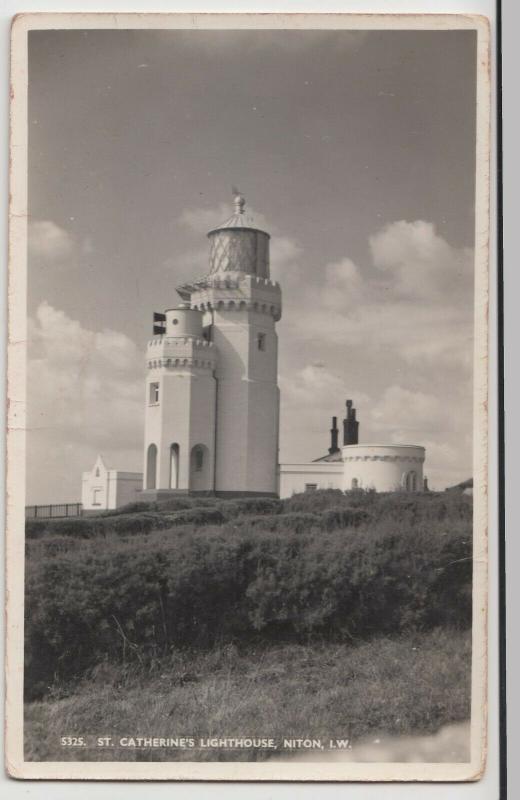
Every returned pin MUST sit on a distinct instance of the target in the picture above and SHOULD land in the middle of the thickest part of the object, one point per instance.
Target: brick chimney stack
(334, 436)
(350, 425)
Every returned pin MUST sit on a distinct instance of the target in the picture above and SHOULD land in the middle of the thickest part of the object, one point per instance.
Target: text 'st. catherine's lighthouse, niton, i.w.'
(212, 397)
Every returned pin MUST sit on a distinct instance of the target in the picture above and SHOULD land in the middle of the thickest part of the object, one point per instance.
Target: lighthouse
(211, 395)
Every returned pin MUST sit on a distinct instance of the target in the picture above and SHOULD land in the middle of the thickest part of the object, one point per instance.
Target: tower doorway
(199, 468)
(151, 467)
(174, 466)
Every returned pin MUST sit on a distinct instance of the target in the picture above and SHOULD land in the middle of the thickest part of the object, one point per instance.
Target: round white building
(383, 467)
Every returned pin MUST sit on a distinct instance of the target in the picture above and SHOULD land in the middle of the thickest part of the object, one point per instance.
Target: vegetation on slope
(319, 567)
(388, 686)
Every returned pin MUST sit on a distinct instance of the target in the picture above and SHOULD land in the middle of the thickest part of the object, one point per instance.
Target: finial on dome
(239, 200)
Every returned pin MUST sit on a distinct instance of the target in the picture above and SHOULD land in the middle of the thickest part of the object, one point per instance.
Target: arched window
(151, 467)
(354, 484)
(198, 458)
(411, 482)
(97, 472)
(200, 468)
(174, 466)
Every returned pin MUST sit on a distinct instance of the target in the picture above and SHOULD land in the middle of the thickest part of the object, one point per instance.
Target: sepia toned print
(248, 381)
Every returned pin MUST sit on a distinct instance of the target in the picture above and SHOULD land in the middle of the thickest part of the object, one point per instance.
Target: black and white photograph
(248, 376)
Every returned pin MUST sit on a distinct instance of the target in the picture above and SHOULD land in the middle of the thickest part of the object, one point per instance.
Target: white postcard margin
(16, 416)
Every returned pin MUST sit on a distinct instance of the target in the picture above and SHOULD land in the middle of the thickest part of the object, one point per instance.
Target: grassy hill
(328, 611)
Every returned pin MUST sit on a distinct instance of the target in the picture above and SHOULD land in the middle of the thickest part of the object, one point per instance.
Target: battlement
(172, 352)
(244, 293)
(178, 341)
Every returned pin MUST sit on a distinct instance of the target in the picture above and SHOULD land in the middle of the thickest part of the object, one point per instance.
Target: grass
(389, 686)
(352, 614)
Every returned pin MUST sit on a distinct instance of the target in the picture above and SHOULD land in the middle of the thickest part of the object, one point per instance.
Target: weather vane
(238, 199)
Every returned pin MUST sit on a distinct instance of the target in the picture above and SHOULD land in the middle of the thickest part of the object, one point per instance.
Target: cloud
(420, 263)
(343, 285)
(204, 219)
(413, 302)
(396, 335)
(402, 413)
(87, 396)
(49, 242)
(309, 398)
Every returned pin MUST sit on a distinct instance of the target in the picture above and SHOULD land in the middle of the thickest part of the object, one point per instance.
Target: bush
(197, 516)
(251, 506)
(281, 523)
(342, 517)
(89, 527)
(345, 572)
(314, 501)
(80, 527)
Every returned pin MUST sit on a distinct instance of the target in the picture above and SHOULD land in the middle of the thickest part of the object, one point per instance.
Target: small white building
(105, 489)
(383, 467)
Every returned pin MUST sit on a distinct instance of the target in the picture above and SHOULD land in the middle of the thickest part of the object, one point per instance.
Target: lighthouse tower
(212, 403)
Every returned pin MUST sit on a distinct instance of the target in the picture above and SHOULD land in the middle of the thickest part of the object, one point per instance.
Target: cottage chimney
(334, 436)
(350, 425)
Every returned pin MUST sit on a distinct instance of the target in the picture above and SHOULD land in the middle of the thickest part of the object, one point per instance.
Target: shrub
(313, 501)
(281, 523)
(80, 527)
(175, 504)
(132, 508)
(251, 506)
(345, 517)
(197, 516)
(272, 577)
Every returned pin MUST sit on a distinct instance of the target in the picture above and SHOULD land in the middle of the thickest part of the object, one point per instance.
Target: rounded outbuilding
(383, 467)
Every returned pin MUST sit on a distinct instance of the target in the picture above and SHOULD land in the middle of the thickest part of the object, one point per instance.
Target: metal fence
(56, 510)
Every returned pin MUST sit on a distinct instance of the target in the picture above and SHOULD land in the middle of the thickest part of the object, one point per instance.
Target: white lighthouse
(212, 398)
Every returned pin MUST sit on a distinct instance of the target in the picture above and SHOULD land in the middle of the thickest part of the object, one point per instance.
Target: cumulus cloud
(309, 398)
(398, 330)
(204, 219)
(407, 413)
(414, 301)
(420, 263)
(49, 242)
(87, 396)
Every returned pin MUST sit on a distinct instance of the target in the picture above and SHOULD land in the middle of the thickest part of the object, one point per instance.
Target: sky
(355, 150)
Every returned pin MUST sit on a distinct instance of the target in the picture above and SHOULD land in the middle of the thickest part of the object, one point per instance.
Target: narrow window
(311, 487)
(154, 393)
(174, 466)
(97, 472)
(260, 339)
(355, 483)
(199, 459)
(151, 467)
(96, 495)
(411, 482)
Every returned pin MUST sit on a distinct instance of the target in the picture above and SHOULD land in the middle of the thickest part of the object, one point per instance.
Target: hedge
(117, 599)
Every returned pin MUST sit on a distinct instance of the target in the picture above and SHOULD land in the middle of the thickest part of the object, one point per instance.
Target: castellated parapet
(383, 467)
(237, 292)
(168, 352)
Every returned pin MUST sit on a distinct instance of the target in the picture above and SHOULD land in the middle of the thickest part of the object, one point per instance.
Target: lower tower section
(240, 312)
(179, 452)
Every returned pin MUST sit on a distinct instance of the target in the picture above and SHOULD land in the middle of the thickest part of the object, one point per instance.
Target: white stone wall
(184, 414)
(105, 489)
(240, 309)
(385, 468)
(294, 478)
